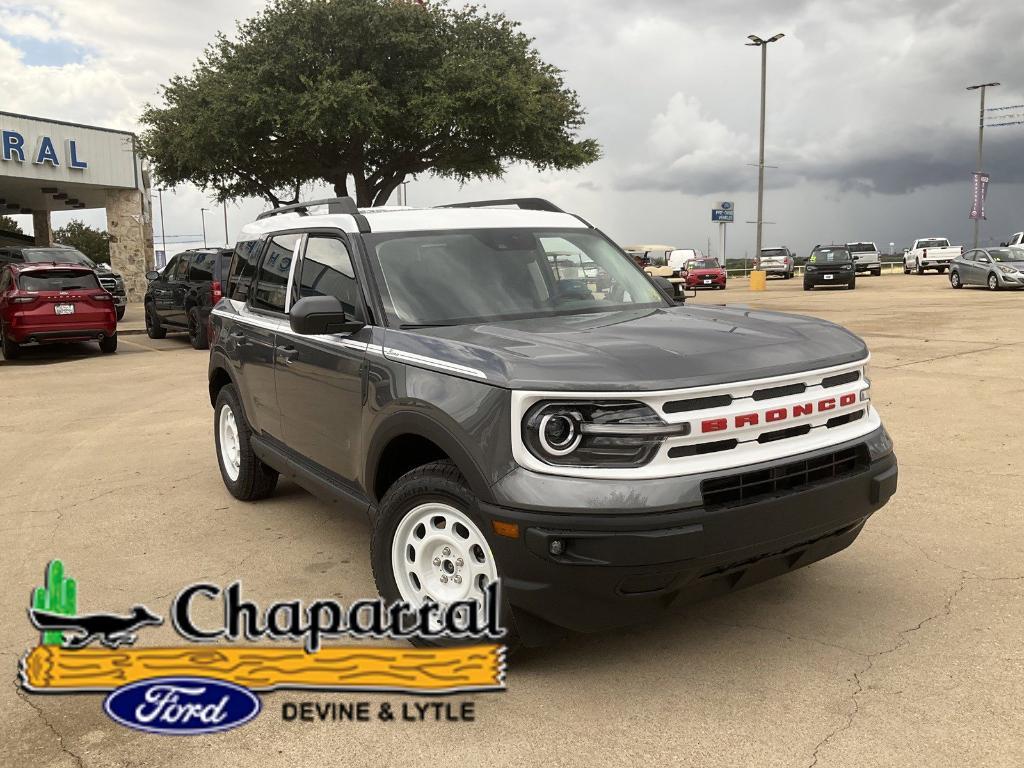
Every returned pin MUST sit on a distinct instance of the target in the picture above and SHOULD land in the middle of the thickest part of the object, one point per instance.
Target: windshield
(862, 247)
(829, 256)
(933, 243)
(703, 264)
(58, 280)
(450, 278)
(58, 256)
(1005, 254)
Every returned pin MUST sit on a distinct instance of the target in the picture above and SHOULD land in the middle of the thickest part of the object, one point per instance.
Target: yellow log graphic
(476, 667)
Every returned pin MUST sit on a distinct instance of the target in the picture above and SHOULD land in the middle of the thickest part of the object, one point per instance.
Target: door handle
(285, 355)
(237, 338)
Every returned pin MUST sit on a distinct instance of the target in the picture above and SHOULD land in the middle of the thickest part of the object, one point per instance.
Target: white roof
(396, 219)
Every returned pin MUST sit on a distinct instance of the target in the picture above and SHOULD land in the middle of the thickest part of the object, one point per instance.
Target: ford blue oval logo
(182, 705)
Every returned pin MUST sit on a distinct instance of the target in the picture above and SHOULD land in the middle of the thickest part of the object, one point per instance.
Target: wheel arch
(408, 439)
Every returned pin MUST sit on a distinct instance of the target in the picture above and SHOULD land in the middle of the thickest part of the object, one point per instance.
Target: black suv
(110, 281)
(830, 265)
(603, 451)
(180, 297)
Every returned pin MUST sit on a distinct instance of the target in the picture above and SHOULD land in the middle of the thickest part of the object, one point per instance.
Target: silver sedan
(994, 268)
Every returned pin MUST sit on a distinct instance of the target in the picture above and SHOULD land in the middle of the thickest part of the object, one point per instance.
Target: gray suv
(604, 452)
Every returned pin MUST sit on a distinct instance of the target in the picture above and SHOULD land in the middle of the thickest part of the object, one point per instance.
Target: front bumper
(618, 567)
(838, 278)
(706, 281)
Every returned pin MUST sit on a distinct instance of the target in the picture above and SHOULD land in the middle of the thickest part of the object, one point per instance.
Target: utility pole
(202, 215)
(227, 243)
(981, 139)
(763, 45)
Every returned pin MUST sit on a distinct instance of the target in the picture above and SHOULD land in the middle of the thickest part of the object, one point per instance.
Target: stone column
(41, 227)
(130, 227)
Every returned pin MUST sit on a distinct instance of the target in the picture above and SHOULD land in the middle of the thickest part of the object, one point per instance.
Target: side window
(201, 267)
(327, 271)
(982, 257)
(243, 268)
(171, 267)
(181, 269)
(272, 280)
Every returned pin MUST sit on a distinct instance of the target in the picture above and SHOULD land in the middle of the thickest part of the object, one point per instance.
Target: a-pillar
(41, 228)
(130, 227)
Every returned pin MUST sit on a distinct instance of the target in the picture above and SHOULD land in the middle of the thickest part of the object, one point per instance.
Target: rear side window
(327, 271)
(243, 269)
(201, 268)
(272, 281)
(58, 280)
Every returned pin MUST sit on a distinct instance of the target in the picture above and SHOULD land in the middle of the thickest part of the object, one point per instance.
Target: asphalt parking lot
(906, 649)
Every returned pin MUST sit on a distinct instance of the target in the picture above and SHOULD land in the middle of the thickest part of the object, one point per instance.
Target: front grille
(748, 487)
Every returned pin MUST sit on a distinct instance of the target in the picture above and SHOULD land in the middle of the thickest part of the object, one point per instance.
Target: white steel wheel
(439, 554)
(230, 449)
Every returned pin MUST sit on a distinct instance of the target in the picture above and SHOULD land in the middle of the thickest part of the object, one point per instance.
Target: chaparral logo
(774, 415)
(210, 685)
(182, 705)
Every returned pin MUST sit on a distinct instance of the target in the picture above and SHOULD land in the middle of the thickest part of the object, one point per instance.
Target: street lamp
(202, 213)
(981, 137)
(163, 230)
(763, 45)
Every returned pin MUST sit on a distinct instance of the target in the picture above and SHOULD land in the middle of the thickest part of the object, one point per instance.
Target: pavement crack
(902, 641)
(20, 692)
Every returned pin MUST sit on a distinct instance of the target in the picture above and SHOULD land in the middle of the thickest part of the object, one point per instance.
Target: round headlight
(559, 433)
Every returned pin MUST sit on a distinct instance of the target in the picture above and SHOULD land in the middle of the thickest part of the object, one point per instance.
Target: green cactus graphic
(58, 596)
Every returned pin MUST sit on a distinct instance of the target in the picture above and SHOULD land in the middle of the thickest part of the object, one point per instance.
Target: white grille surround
(807, 412)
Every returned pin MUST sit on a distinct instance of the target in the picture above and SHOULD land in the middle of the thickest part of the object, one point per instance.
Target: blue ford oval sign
(182, 705)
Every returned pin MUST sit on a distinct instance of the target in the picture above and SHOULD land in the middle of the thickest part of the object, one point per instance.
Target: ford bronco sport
(603, 451)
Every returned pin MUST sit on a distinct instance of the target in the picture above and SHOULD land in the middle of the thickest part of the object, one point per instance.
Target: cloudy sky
(869, 125)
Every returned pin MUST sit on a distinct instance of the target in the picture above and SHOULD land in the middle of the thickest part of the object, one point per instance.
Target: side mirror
(668, 288)
(1003, 245)
(152, 275)
(315, 315)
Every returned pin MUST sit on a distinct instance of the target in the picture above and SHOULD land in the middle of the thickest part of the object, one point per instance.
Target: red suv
(703, 273)
(47, 303)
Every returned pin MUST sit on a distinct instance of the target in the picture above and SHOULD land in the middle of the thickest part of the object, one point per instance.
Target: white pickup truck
(930, 253)
(1016, 242)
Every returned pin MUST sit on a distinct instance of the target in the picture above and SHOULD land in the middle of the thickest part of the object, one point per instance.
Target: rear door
(177, 289)
(320, 383)
(258, 324)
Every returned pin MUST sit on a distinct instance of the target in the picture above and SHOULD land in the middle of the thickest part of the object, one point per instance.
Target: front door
(320, 378)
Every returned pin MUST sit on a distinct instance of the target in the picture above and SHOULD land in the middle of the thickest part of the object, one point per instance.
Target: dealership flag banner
(980, 190)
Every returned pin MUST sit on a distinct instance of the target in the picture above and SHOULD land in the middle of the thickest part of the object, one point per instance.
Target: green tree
(94, 243)
(375, 90)
(7, 224)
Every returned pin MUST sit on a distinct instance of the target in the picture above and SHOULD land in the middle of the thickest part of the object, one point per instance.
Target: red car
(48, 303)
(703, 273)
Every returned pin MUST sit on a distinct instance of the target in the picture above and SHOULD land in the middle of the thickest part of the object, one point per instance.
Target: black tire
(942, 270)
(852, 285)
(153, 328)
(920, 269)
(198, 332)
(954, 279)
(108, 344)
(993, 281)
(255, 479)
(11, 349)
(437, 481)
(906, 267)
(877, 272)
(120, 312)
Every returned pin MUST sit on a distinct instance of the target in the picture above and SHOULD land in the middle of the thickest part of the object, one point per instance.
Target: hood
(662, 348)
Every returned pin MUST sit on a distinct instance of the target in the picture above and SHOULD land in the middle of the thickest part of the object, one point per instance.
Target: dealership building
(51, 165)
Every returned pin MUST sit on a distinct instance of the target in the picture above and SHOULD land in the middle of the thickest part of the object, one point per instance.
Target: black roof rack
(334, 205)
(526, 203)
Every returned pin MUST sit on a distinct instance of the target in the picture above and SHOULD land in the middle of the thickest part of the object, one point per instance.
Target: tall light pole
(163, 230)
(227, 244)
(202, 215)
(981, 138)
(763, 45)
